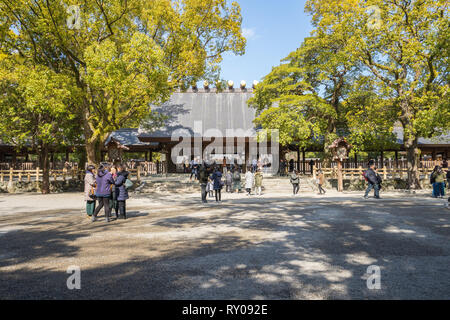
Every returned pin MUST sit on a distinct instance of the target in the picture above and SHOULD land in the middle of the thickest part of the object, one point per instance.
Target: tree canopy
(122, 55)
(367, 74)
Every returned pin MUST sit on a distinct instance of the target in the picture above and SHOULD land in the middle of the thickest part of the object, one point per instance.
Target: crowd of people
(106, 187)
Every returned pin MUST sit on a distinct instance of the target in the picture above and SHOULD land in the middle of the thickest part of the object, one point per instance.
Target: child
(229, 181)
(210, 188)
(258, 182)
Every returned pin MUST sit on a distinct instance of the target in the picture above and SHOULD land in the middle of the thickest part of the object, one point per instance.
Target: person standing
(89, 190)
(203, 179)
(216, 177)
(321, 181)
(229, 181)
(258, 182)
(104, 182)
(121, 191)
(237, 180)
(254, 165)
(439, 184)
(194, 168)
(295, 181)
(249, 181)
(311, 165)
(372, 180)
(113, 200)
(283, 167)
(433, 181)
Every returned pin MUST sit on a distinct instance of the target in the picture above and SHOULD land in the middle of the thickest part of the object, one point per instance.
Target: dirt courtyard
(270, 247)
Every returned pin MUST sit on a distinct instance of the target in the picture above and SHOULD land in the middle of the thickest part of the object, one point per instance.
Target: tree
(123, 55)
(36, 107)
(303, 97)
(404, 52)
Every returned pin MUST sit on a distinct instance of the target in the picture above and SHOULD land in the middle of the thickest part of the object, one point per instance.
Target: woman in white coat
(249, 181)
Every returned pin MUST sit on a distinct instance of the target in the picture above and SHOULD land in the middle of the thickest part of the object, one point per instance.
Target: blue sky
(273, 29)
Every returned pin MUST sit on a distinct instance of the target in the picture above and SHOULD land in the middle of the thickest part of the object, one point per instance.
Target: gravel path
(270, 247)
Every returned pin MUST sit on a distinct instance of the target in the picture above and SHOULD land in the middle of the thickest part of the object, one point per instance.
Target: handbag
(128, 184)
(92, 193)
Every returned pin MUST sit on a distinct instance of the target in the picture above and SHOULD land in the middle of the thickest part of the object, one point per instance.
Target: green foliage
(122, 55)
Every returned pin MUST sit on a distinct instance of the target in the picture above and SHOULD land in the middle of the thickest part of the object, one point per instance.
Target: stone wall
(55, 186)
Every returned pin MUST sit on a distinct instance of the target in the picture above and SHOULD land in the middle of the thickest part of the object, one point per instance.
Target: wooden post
(360, 169)
(384, 173)
(304, 161)
(28, 176)
(298, 159)
(396, 159)
(1, 177)
(339, 176)
(139, 173)
(11, 174)
(20, 175)
(314, 173)
(37, 178)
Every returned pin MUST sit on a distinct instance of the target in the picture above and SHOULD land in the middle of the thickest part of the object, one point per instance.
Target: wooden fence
(385, 173)
(73, 174)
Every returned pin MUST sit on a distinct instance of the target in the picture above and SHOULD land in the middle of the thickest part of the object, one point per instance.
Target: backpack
(128, 184)
(202, 175)
(432, 178)
(364, 175)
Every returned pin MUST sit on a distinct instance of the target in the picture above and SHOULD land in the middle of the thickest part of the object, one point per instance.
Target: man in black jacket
(373, 181)
(203, 179)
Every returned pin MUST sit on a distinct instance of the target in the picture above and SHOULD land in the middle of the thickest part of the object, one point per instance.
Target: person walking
(321, 181)
(258, 182)
(229, 181)
(439, 183)
(237, 180)
(121, 191)
(282, 168)
(203, 179)
(311, 165)
(113, 200)
(194, 169)
(433, 181)
(104, 182)
(372, 180)
(249, 181)
(216, 177)
(89, 190)
(295, 181)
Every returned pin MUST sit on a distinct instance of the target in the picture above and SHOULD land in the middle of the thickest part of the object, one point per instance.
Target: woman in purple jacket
(104, 181)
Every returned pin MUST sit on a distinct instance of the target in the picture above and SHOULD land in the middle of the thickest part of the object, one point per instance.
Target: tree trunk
(92, 152)
(45, 165)
(413, 155)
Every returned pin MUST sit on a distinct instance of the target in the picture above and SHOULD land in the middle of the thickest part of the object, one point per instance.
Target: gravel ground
(269, 247)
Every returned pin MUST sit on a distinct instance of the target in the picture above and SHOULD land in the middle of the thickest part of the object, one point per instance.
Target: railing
(33, 165)
(36, 174)
(305, 166)
(385, 173)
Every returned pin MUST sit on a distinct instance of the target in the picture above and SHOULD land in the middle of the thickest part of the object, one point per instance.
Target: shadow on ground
(274, 248)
